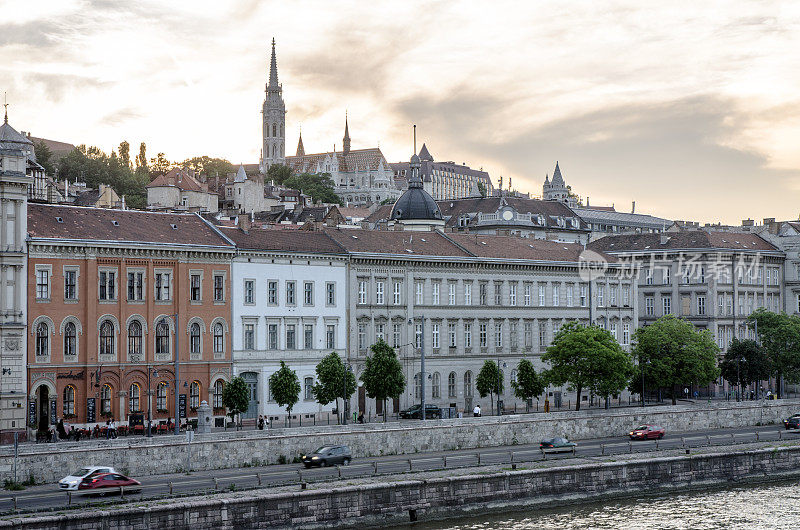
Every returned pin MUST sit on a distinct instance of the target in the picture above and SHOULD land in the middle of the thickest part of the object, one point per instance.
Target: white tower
(273, 147)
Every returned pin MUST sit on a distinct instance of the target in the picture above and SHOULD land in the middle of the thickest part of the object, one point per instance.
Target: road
(46, 497)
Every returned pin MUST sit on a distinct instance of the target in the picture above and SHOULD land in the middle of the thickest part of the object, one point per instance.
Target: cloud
(121, 117)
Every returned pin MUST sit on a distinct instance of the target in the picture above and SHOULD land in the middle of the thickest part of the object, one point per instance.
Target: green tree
(285, 388)
(44, 156)
(210, 167)
(319, 186)
(528, 383)
(587, 358)
(125, 154)
(383, 376)
(780, 336)
(279, 173)
(334, 380)
(674, 353)
(159, 165)
(745, 362)
(489, 381)
(141, 159)
(236, 398)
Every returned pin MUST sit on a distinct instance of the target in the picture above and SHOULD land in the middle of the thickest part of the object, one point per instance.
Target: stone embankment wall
(381, 504)
(140, 456)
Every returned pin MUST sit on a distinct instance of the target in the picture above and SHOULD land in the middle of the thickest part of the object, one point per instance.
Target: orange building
(104, 290)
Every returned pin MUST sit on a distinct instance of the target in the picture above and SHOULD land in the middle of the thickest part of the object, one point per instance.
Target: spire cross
(5, 104)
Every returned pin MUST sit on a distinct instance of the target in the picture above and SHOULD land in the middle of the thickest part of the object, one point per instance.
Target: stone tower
(557, 190)
(346, 139)
(273, 150)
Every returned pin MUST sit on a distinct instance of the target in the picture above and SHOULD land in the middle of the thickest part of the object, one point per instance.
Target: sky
(690, 109)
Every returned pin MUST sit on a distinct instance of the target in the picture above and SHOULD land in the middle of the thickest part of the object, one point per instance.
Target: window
(626, 334)
(451, 331)
(330, 336)
(612, 298)
(435, 336)
(291, 337)
(451, 385)
(194, 287)
(542, 335)
(107, 338)
(468, 293)
(249, 292)
(162, 338)
(418, 386)
(219, 338)
(308, 387)
(601, 289)
(133, 398)
(512, 294)
(42, 284)
(569, 295)
(330, 293)
(513, 339)
(379, 292)
(701, 305)
(272, 336)
(451, 293)
(626, 295)
(161, 396)
(584, 291)
(435, 287)
(418, 336)
(613, 331)
(648, 306)
(134, 338)
(528, 331)
(218, 386)
(219, 288)
(107, 282)
(467, 335)
(135, 286)
(482, 335)
(362, 292)
(272, 292)
(667, 272)
(541, 295)
(308, 336)
(105, 399)
(69, 400)
(290, 293)
(362, 337)
(379, 332)
(70, 285)
(420, 293)
(527, 295)
(556, 289)
(194, 339)
(482, 294)
(498, 293)
(468, 384)
(435, 386)
(667, 305)
(498, 334)
(308, 293)
(163, 291)
(194, 395)
(396, 298)
(648, 276)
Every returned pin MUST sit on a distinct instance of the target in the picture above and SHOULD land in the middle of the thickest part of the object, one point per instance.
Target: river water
(770, 507)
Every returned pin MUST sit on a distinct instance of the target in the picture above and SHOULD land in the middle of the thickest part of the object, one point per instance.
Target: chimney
(244, 223)
(587, 201)
(633, 206)
(748, 222)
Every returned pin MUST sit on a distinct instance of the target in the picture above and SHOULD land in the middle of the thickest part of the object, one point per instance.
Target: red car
(647, 432)
(99, 482)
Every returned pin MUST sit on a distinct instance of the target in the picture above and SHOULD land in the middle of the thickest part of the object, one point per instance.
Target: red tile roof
(282, 240)
(180, 178)
(509, 247)
(687, 240)
(396, 242)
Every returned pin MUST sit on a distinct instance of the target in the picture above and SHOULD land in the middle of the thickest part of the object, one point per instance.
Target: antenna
(415, 138)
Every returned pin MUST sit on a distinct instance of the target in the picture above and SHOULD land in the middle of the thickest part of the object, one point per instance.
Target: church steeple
(300, 149)
(346, 139)
(273, 69)
(273, 148)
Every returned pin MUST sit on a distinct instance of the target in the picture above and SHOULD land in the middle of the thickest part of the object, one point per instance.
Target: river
(773, 506)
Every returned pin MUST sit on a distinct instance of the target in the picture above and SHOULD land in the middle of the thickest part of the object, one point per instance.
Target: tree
(279, 173)
(674, 353)
(210, 167)
(44, 156)
(383, 376)
(159, 165)
(482, 189)
(745, 362)
(489, 381)
(141, 159)
(236, 397)
(528, 383)
(587, 357)
(125, 154)
(319, 186)
(285, 388)
(334, 380)
(780, 337)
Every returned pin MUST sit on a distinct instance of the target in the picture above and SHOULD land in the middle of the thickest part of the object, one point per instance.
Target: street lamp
(348, 370)
(177, 371)
(150, 371)
(499, 384)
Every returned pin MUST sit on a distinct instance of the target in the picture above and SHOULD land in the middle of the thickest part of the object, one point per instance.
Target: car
(792, 422)
(71, 482)
(101, 482)
(557, 444)
(647, 432)
(415, 412)
(328, 455)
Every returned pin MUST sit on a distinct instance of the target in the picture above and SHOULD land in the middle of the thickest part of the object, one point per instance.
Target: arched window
(194, 394)
(194, 338)
(451, 385)
(69, 400)
(42, 339)
(418, 386)
(219, 338)
(162, 338)
(105, 399)
(218, 386)
(70, 339)
(436, 386)
(107, 338)
(135, 338)
(309, 388)
(274, 132)
(161, 397)
(133, 398)
(468, 384)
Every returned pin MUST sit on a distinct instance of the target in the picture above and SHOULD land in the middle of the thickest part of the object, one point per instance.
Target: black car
(328, 455)
(793, 422)
(415, 412)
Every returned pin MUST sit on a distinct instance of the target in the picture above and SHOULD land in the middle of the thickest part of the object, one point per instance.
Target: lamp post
(177, 429)
(348, 369)
(641, 367)
(422, 366)
(154, 372)
(499, 384)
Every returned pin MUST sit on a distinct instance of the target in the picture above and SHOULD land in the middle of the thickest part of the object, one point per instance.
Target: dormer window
(115, 223)
(60, 220)
(174, 226)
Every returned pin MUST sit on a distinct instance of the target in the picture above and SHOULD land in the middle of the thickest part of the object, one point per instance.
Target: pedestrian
(62, 433)
(260, 422)
(360, 417)
(476, 412)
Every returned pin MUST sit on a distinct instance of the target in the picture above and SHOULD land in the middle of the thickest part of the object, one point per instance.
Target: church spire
(300, 149)
(5, 104)
(346, 139)
(273, 68)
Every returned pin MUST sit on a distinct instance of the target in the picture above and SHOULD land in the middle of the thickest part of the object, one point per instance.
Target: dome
(415, 203)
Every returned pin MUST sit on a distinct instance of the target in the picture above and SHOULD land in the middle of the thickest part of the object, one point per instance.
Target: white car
(70, 482)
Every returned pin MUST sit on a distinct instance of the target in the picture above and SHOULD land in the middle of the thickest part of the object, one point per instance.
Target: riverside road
(47, 497)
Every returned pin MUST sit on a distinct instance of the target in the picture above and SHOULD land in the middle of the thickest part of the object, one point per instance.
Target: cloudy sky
(692, 109)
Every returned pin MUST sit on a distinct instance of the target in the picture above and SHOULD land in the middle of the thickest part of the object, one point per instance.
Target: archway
(43, 408)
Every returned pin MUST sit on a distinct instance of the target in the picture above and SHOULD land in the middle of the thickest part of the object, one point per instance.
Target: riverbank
(444, 494)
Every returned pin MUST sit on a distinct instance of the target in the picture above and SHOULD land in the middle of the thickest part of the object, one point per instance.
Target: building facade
(446, 180)
(179, 189)
(103, 289)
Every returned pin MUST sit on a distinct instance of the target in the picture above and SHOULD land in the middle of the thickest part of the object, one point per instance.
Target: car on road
(647, 432)
(415, 412)
(557, 444)
(328, 455)
(71, 482)
(792, 422)
(101, 482)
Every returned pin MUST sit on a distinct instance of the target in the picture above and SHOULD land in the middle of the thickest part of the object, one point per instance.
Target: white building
(179, 189)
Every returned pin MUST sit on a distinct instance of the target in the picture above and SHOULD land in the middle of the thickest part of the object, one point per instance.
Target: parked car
(415, 412)
(328, 455)
(557, 444)
(647, 432)
(792, 422)
(71, 482)
(100, 482)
